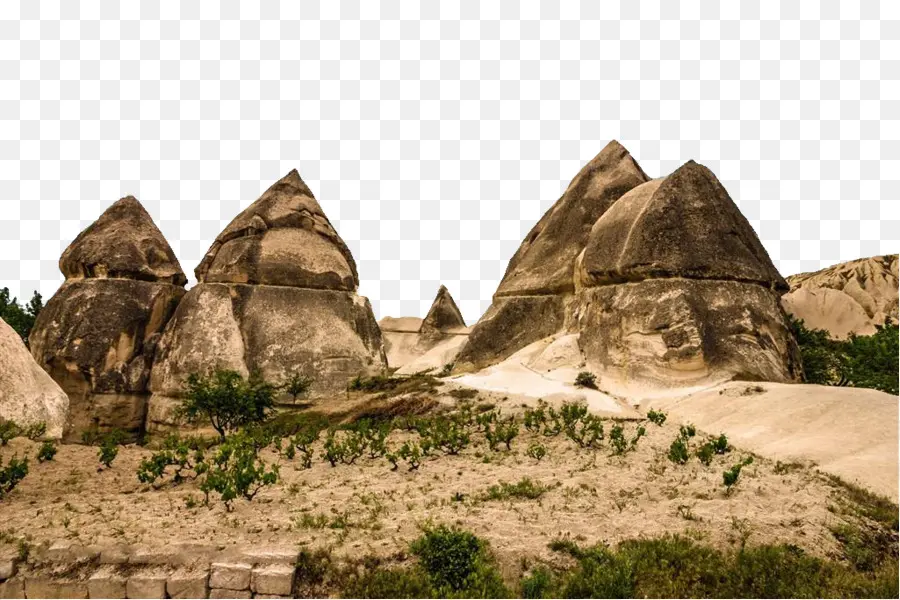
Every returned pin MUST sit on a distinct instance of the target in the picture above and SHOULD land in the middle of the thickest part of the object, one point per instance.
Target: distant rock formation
(414, 344)
(530, 302)
(276, 295)
(851, 297)
(97, 335)
(27, 394)
(667, 286)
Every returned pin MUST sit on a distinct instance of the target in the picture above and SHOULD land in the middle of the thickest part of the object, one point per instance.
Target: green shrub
(235, 470)
(539, 583)
(297, 385)
(502, 431)
(11, 474)
(656, 417)
(621, 445)
(8, 431)
(47, 451)
(730, 477)
(457, 564)
(536, 451)
(535, 418)
(227, 400)
(705, 453)
(20, 318)
(302, 442)
(186, 456)
(409, 452)
(109, 447)
(447, 434)
(586, 379)
(345, 448)
(580, 426)
(686, 432)
(720, 444)
(678, 451)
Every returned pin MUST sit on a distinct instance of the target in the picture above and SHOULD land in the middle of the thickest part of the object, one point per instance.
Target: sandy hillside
(849, 432)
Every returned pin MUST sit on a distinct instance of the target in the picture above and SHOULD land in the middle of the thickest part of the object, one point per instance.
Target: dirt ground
(368, 509)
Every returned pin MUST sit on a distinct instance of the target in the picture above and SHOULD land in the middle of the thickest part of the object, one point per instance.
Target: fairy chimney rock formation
(97, 335)
(443, 316)
(28, 395)
(848, 298)
(676, 289)
(276, 295)
(530, 302)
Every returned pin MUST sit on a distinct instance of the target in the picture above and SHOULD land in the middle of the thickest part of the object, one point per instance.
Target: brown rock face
(283, 238)
(123, 243)
(851, 297)
(97, 335)
(528, 304)
(684, 225)
(276, 295)
(443, 315)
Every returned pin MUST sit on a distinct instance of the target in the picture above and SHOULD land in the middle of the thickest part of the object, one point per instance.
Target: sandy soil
(849, 432)
(367, 508)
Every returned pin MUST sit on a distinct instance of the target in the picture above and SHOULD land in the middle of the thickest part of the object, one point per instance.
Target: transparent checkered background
(434, 136)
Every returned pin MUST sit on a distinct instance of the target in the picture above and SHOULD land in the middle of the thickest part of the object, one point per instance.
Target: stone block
(68, 553)
(12, 588)
(45, 587)
(105, 583)
(268, 555)
(8, 568)
(230, 576)
(183, 584)
(219, 593)
(146, 585)
(115, 555)
(273, 579)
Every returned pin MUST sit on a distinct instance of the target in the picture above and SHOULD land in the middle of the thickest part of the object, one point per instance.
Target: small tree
(297, 385)
(228, 400)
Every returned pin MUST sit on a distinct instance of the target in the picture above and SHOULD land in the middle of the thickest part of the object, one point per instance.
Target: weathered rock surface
(413, 345)
(276, 296)
(684, 225)
(284, 238)
(676, 289)
(27, 394)
(539, 280)
(97, 335)
(851, 297)
(123, 243)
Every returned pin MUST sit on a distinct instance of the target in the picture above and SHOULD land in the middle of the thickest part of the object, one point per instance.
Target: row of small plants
(683, 447)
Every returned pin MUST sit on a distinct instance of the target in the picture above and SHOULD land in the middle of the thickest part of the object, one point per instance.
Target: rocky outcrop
(530, 302)
(412, 344)
(661, 283)
(676, 289)
(97, 335)
(276, 295)
(848, 298)
(27, 394)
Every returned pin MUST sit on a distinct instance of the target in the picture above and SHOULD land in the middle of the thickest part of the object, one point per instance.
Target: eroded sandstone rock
(97, 335)
(276, 296)
(851, 297)
(27, 394)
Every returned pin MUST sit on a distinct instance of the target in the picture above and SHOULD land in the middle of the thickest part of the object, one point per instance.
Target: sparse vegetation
(656, 417)
(11, 474)
(536, 451)
(235, 470)
(586, 379)
(678, 451)
(730, 477)
(108, 443)
(525, 488)
(47, 451)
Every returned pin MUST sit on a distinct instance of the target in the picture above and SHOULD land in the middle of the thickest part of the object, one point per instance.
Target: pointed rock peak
(283, 238)
(685, 225)
(443, 314)
(544, 262)
(124, 243)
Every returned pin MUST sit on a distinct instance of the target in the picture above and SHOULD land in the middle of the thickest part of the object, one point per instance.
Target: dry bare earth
(368, 509)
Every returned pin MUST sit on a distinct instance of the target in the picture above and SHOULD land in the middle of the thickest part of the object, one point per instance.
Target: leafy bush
(302, 442)
(538, 584)
(501, 431)
(535, 418)
(720, 444)
(8, 431)
(678, 451)
(346, 448)
(235, 470)
(20, 318)
(409, 452)
(457, 564)
(705, 454)
(187, 456)
(47, 451)
(580, 426)
(860, 361)
(617, 440)
(586, 379)
(730, 477)
(227, 400)
(109, 446)
(656, 417)
(447, 434)
(297, 385)
(536, 451)
(11, 474)
(687, 431)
